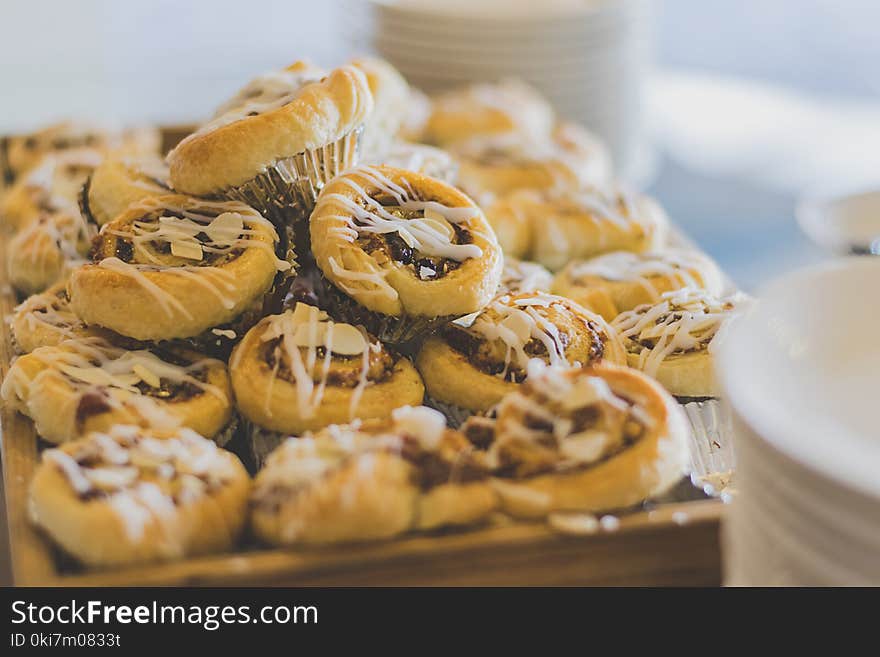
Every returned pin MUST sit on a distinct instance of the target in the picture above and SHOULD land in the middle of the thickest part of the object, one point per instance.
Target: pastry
(370, 481)
(553, 227)
(595, 439)
(272, 87)
(300, 371)
(427, 160)
(673, 340)
(523, 276)
(175, 266)
(402, 252)
(132, 495)
(612, 283)
(88, 384)
(118, 182)
(470, 364)
(277, 155)
(45, 320)
(390, 99)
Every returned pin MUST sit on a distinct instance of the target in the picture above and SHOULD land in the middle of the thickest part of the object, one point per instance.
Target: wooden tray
(672, 544)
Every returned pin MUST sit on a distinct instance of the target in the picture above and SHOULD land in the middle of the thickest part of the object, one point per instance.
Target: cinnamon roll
(300, 371)
(402, 252)
(175, 266)
(593, 439)
(276, 155)
(88, 384)
(132, 495)
(370, 481)
(45, 320)
(471, 363)
(612, 283)
(553, 227)
(673, 340)
(120, 181)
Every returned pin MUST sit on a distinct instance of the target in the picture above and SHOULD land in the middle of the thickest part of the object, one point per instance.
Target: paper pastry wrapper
(712, 460)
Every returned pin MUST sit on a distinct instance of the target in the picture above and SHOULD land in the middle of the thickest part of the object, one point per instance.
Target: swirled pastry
(41, 253)
(45, 320)
(522, 276)
(427, 160)
(370, 481)
(88, 384)
(555, 226)
(390, 99)
(272, 87)
(672, 340)
(133, 495)
(277, 155)
(175, 266)
(300, 371)
(619, 281)
(402, 252)
(473, 362)
(120, 181)
(594, 439)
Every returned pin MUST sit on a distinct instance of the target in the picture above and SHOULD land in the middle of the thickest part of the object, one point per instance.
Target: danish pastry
(120, 181)
(426, 160)
(45, 320)
(523, 276)
(133, 495)
(370, 481)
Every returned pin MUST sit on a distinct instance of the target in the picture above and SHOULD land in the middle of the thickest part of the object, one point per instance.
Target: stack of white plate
(589, 57)
(802, 376)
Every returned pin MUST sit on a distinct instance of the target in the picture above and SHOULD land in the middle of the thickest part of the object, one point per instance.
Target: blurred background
(740, 107)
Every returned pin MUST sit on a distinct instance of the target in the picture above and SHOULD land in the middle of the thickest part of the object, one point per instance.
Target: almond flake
(190, 250)
(147, 376)
(225, 228)
(112, 478)
(347, 340)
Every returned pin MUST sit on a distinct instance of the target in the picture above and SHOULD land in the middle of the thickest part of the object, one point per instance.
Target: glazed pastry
(402, 252)
(567, 158)
(133, 495)
(53, 186)
(370, 481)
(589, 440)
(427, 160)
(615, 282)
(43, 252)
(277, 155)
(300, 371)
(175, 266)
(88, 384)
(272, 87)
(21, 153)
(120, 181)
(554, 227)
(470, 364)
(390, 98)
(522, 276)
(45, 320)
(673, 339)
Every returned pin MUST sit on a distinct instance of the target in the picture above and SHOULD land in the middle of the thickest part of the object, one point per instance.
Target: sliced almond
(425, 424)
(435, 222)
(225, 228)
(584, 447)
(112, 478)
(519, 324)
(147, 376)
(347, 340)
(308, 335)
(189, 249)
(302, 313)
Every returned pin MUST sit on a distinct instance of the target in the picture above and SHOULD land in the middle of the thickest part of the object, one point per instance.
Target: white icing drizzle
(519, 276)
(60, 175)
(268, 88)
(684, 320)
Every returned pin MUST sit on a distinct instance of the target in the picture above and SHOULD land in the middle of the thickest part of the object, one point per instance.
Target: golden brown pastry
(390, 99)
(553, 227)
(88, 384)
(427, 160)
(470, 364)
(132, 495)
(370, 481)
(118, 182)
(272, 87)
(594, 439)
(523, 276)
(619, 281)
(672, 340)
(300, 371)
(175, 266)
(45, 320)
(402, 252)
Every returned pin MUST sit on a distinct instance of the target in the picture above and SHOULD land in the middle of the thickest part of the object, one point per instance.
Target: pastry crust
(370, 481)
(622, 459)
(391, 95)
(553, 227)
(423, 159)
(46, 320)
(616, 282)
(134, 496)
(88, 385)
(465, 366)
(272, 86)
(120, 181)
(376, 279)
(523, 276)
(285, 381)
(154, 294)
(235, 147)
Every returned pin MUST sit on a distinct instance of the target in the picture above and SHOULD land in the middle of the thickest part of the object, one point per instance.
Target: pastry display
(473, 362)
(593, 439)
(401, 252)
(132, 495)
(620, 281)
(120, 181)
(672, 340)
(371, 480)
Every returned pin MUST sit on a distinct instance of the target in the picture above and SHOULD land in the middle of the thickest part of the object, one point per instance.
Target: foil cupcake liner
(712, 459)
(285, 192)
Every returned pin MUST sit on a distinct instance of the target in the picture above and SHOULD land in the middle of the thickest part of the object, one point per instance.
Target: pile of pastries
(342, 311)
